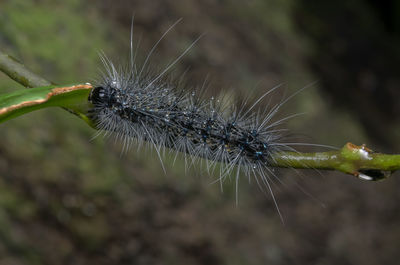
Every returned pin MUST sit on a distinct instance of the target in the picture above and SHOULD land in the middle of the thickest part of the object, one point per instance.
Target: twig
(358, 161)
(18, 72)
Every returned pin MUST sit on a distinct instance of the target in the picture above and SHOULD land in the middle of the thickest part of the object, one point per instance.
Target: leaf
(74, 98)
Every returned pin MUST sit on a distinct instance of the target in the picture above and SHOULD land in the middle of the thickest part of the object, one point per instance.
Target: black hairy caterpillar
(140, 106)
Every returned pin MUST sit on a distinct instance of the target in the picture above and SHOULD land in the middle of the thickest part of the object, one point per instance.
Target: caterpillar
(140, 106)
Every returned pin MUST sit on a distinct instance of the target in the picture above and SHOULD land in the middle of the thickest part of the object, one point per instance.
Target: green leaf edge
(74, 98)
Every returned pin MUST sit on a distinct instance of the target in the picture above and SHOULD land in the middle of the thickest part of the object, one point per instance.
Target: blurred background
(67, 199)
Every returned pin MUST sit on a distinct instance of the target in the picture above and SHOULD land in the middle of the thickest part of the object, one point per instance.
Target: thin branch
(18, 72)
(358, 161)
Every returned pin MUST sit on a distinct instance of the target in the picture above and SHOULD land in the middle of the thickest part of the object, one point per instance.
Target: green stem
(358, 161)
(18, 72)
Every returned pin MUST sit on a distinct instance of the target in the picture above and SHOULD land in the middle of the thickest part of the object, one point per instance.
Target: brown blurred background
(67, 199)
